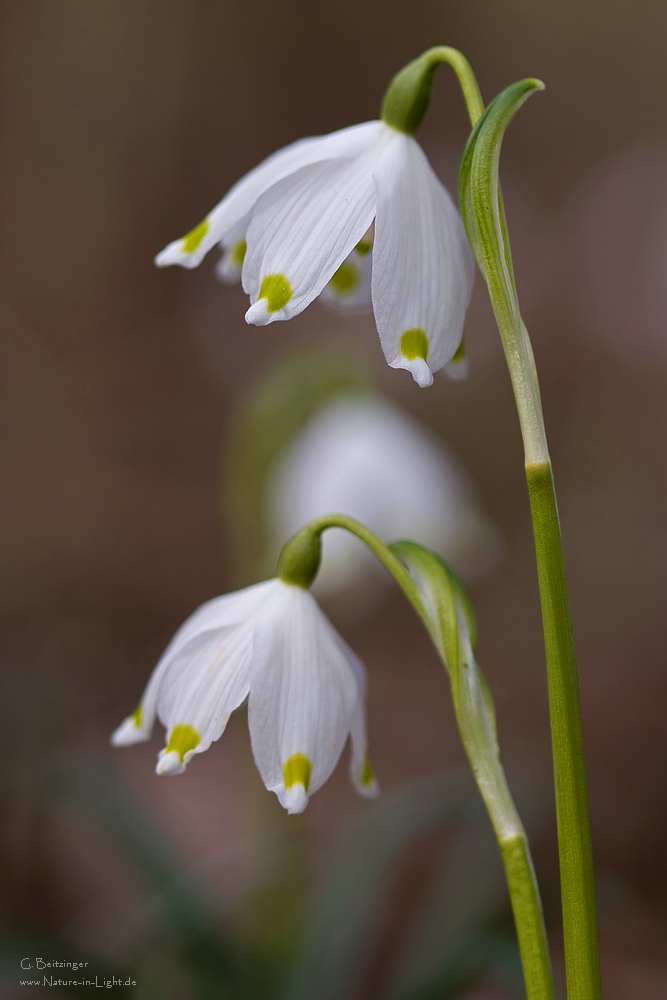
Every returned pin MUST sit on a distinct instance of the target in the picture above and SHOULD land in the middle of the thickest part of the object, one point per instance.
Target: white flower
(363, 456)
(290, 225)
(269, 643)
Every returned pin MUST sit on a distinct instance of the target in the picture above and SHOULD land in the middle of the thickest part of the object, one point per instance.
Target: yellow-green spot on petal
(181, 740)
(367, 777)
(238, 252)
(296, 770)
(363, 247)
(194, 237)
(414, 344)
(459, 353)
(137, 715)
(346, 279)
(277, 291)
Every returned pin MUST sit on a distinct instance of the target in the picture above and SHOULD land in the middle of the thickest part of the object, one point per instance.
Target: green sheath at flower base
(409, 93)
(300, 558)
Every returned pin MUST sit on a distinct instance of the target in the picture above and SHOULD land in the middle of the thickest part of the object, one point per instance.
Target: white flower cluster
(359, 218)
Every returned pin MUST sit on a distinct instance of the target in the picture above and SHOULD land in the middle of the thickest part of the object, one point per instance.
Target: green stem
(476, 722)
(381, 551)
(408, 95)
(482, 206)
(467, 80)
(574, 834)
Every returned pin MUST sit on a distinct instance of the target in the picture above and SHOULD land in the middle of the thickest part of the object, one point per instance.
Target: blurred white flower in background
(272, 644)
(304, 219)
(363, 456)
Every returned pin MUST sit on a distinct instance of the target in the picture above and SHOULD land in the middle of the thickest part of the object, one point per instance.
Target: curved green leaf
(446, 613)
(481, 203)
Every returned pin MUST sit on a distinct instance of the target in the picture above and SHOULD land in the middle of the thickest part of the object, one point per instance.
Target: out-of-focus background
(122, 123)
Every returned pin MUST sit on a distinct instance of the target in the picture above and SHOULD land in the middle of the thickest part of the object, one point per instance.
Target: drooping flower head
(357, 210)
(271, 644)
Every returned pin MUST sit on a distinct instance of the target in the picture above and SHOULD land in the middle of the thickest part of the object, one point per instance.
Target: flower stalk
(482, 208)
(409, 93)
(443, 606)
(574, 833)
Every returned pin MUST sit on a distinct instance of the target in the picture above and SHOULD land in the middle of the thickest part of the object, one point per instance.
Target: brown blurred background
(123, 122)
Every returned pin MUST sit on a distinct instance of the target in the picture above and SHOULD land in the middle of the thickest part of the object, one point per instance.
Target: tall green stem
(441, 604)
(482, 207)
(574, 833)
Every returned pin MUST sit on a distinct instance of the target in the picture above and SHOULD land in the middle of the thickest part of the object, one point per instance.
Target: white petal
(205, 682)
(302, 230)
(303, 693)
(241, 198)
(221, 611)
(360, 769)
(205, 672)
(422, 265)
(350, 287)
(170, 762)
(228, 268)
(130, 731)
(294, 799)
(458, 369)
(230, 609)
(137, 728)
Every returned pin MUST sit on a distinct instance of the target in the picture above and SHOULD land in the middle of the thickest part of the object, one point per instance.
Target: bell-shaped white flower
(291, 226)
(272, 644)
(363, 456)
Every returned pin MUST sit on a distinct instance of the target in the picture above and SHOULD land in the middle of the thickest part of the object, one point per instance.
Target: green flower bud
(300, 558)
